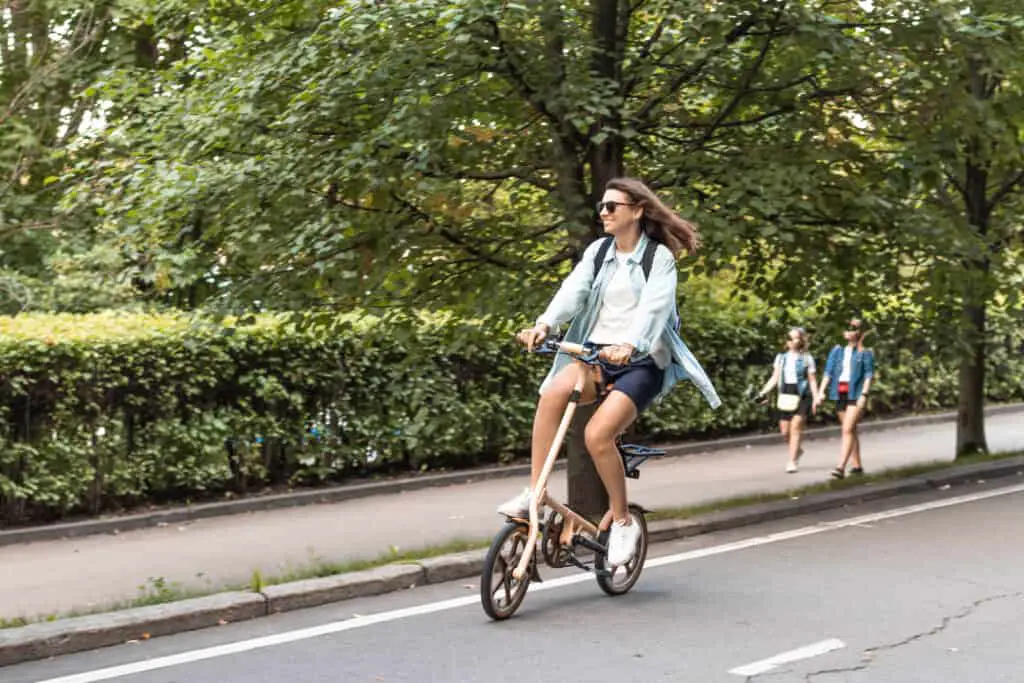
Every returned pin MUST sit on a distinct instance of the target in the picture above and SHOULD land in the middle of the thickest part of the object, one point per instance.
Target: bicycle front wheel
(500, 592)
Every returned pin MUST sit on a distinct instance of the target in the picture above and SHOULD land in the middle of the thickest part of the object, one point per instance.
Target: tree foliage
(446, 154)
(434, 153)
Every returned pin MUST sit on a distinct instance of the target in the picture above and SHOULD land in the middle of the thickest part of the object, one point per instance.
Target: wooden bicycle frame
(573, 521)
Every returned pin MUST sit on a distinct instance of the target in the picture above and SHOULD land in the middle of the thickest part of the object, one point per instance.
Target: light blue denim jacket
(580, 297)
(862, 366)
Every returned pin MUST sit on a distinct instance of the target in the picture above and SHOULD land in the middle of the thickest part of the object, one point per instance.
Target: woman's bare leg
(611, 419)
(784, 430)
(796, 435)
(855, 454)
(550, 410)
(849, 417)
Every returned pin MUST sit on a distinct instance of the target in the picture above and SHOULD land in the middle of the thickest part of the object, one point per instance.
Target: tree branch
(1006, 188)
(738, 123)
(449, 234)
(524, 173)
(25, 227)
(744, 84)
(956, 183)
(516, 75)
(643, 116)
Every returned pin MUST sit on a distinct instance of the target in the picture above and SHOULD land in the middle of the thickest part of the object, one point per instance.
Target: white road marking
(444, 605)
(805, 652)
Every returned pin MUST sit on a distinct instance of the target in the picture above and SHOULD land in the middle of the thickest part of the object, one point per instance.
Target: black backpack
(646, 261)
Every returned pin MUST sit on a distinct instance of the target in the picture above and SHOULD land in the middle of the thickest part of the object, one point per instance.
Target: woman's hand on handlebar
(532, 336)
(619, 354)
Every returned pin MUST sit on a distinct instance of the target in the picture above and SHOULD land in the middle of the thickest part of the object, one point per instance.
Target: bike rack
(634, 455)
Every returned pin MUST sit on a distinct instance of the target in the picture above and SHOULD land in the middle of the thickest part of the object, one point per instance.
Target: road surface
(921, 588)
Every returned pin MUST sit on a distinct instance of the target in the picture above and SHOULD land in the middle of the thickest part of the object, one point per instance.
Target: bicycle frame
(573, 521)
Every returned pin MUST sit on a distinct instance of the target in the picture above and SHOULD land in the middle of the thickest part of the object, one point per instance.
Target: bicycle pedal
(579, 565)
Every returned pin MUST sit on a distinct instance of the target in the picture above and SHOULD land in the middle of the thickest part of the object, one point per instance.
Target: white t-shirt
(618, 310)
(844, 376)
(788, 361)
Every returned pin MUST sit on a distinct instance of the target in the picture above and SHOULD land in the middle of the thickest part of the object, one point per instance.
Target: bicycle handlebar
(586, 353)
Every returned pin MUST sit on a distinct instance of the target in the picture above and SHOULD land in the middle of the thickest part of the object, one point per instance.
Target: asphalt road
(923, 588)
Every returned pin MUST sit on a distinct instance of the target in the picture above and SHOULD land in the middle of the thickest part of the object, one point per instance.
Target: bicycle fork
(540, 491)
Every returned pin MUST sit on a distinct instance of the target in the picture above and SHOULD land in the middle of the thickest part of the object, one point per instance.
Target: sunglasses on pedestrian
(610, 206)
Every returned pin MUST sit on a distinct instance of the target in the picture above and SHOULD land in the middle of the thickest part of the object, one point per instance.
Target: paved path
(59, 576)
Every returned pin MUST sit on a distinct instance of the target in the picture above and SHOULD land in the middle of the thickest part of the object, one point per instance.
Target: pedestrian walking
(849, 373)
(793, 372)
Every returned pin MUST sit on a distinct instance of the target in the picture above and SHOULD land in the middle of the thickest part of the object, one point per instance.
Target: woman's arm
(812, 379)
(815, 396)
(573, 292)
(827, 376)
(869, 376)
(772, 381)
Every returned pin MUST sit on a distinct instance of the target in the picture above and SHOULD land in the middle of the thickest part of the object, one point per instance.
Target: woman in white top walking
(621, 296)
(794, 374)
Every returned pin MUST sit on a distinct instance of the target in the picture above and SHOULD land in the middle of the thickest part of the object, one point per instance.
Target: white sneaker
(622, 543)
(791, 467)
(518, 506)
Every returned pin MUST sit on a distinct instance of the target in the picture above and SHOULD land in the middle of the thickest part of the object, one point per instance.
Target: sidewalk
(75, 574)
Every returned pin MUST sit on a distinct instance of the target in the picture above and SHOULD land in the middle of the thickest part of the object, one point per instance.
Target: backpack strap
(648, 258)
(646, 261)
(602, 252)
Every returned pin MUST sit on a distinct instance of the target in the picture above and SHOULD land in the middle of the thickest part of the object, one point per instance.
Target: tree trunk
(607, 157)
(587, 494)
(970, 426)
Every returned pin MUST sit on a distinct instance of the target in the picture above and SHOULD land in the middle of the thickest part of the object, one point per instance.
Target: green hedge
(111, 410)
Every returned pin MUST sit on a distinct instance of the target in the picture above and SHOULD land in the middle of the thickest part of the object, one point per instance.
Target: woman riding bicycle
(633, 318)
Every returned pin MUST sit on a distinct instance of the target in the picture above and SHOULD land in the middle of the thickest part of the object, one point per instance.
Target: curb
(40, 641)
(354, 491)
(66, 636)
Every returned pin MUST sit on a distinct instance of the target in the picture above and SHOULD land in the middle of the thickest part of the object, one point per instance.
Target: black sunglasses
(610, 206)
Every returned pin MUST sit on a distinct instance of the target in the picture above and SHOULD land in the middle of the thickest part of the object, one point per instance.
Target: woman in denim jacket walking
(633, 317)
(849, 373)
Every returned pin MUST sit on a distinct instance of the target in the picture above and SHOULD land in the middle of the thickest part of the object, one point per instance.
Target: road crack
(867, 656)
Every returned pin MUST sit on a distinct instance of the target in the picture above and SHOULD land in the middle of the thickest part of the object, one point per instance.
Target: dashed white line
(805, 652)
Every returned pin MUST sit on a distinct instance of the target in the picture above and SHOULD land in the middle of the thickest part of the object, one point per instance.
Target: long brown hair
(803, 344)
(658, 221)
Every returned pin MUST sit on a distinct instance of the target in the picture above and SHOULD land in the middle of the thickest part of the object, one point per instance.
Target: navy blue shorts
(641, 380)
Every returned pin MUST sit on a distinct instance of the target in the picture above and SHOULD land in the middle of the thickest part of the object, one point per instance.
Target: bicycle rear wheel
(623, 578)
(500, 592)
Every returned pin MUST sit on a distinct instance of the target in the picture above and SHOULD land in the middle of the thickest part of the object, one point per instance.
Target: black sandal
(858, 471)
(838, 473)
